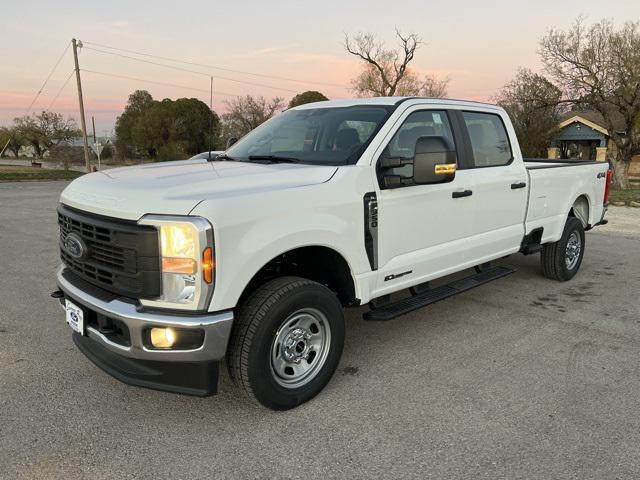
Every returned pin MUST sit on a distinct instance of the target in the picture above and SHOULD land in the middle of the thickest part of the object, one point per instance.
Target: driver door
(423, 230)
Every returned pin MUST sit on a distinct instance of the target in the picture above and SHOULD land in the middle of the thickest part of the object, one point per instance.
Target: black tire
(262, 317)
(554, 256)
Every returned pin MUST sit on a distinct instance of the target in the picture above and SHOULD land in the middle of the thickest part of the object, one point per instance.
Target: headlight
(187, 262)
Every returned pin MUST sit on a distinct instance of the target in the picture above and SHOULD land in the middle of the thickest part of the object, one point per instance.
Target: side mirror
(231, 141)
(434, 162)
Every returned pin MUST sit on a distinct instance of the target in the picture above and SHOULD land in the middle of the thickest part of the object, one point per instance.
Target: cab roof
(393, 101)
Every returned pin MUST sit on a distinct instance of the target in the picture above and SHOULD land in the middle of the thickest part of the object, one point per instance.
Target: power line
(159, 83)
(44, 84)
(48, 77)
(61, 88)
(173, 67)
(275, 77)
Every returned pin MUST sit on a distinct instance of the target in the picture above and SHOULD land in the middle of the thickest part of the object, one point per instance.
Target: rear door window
(489, 139)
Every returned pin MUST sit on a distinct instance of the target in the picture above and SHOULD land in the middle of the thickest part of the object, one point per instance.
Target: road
(521, 378)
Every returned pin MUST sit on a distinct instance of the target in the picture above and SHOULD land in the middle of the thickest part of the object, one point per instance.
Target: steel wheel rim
(300, 348)
(572, 252)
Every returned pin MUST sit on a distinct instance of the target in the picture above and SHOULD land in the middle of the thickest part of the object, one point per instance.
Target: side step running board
(433, 295)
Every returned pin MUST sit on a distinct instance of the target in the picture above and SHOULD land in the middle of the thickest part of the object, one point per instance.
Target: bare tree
(597, 67)
(386, 71)
(434, 87)
(246, 113)
(12, 139)
(533, 105)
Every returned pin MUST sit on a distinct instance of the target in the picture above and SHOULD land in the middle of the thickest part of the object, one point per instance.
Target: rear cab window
(489, 139)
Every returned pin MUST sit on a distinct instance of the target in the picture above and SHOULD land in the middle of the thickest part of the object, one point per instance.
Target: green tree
(533, 104)
(46, 130)
(139, 101)
(167, 129)
(195, 126)
(597, 67)
(309, 96)
(11, 137)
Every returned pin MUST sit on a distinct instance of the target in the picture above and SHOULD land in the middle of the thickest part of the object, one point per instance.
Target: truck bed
(556, 186)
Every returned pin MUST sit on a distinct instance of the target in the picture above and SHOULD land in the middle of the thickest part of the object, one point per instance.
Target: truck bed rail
(551, 163)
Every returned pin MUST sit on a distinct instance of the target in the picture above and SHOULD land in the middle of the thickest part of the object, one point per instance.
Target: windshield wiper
(222, 156)
(274, 158)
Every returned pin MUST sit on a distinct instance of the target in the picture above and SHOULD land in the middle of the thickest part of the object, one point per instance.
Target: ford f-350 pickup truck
(170, 268)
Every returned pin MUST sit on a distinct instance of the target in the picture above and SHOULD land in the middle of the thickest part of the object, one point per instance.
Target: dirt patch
(352, 371)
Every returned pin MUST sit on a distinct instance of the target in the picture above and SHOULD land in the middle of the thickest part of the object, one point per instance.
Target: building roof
(591, 116)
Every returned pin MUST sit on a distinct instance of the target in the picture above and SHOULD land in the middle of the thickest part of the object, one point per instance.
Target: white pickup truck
(169, 268)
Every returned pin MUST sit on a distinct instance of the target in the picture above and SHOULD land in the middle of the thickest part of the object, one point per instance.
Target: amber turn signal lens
(178, 265)
(445, 168)
(207, 265)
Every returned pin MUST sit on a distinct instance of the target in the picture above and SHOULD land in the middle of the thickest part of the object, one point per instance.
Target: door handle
(465, 193)
(518, 185)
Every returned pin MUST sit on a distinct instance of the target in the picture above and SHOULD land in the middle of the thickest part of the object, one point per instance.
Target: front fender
(233, 274)
(251, 230)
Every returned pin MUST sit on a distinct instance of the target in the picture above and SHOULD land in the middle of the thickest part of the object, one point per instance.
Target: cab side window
(489, 140)
(422, 123)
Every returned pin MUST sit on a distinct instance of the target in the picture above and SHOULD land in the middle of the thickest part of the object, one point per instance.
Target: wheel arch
(581, 209)
(319, 263)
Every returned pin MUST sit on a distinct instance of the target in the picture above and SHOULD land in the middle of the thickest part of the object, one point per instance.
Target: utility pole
(93, 122)
(82, 121)
(210, 119)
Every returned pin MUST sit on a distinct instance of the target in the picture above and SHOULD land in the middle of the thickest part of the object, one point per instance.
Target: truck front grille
(121, 256)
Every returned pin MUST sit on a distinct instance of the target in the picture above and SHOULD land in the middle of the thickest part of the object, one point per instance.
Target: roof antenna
(210, 119)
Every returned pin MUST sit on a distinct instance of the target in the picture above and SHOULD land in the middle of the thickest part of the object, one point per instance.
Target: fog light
(173, 338)
(163, 337)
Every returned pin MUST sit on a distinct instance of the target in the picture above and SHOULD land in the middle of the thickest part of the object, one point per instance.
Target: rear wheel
(287, 342)
(561, 260)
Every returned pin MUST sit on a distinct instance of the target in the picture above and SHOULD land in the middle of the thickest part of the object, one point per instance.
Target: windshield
(330, 136)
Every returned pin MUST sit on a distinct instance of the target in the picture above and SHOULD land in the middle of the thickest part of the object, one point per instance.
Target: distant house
(28, 151)
(583, 135)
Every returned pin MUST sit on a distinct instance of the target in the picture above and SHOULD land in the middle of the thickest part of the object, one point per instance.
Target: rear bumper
(192, 371)
(602, 220)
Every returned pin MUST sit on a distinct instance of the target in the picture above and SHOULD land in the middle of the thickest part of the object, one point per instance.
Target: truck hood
(175, 188)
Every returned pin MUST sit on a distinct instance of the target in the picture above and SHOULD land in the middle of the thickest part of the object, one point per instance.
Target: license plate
(75, 316)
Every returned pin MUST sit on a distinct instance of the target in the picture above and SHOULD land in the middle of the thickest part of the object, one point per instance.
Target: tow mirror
(434, 161)
(231, 141)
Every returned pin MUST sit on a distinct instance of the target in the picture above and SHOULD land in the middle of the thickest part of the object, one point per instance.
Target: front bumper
(192, 372)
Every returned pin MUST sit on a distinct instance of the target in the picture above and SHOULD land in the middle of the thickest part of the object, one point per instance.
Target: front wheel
(561, 260)
(287, 342)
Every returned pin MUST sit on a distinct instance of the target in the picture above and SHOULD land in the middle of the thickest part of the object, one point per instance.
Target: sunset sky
(478, 44)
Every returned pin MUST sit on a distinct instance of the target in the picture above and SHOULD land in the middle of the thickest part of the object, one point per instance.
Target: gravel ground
(520, 378)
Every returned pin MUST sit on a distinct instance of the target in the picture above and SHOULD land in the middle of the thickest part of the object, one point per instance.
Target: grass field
(632, 194)
(11, 173)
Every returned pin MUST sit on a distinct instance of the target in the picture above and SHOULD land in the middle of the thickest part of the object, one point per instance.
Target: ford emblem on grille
(74, 246)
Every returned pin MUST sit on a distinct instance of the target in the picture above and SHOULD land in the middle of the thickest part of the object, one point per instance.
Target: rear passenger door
(499, 186)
